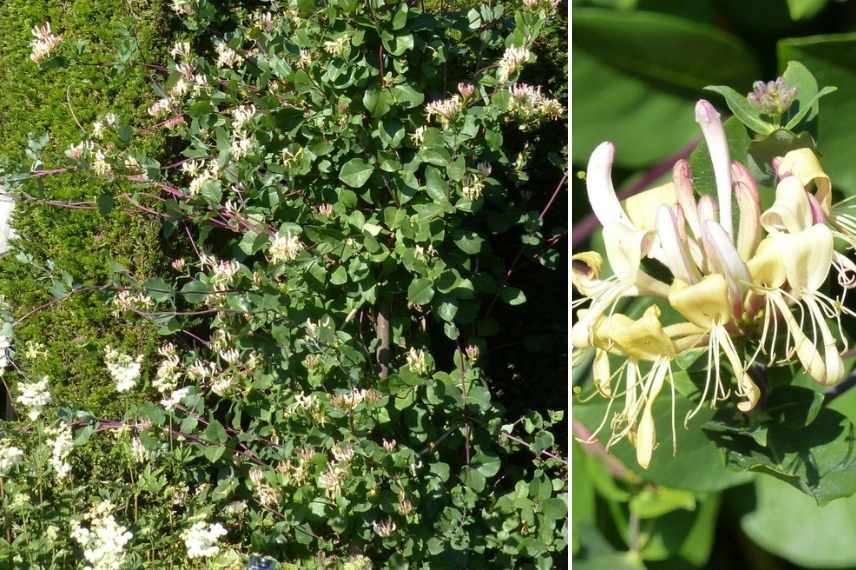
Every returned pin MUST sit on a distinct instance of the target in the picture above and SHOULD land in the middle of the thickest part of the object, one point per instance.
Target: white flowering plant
(342, 181)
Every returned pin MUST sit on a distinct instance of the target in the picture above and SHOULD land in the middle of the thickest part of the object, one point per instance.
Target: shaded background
(638, 66)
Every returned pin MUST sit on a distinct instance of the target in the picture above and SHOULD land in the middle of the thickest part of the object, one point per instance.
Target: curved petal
(725, 259)
(601, 193)
(642, 339)
(766, 267)
(625, 248)
(807, 257)
(717, 145)
(791, 211)
(704, 304)
(803, 164)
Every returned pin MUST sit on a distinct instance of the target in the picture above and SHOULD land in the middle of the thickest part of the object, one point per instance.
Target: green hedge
(55, 100)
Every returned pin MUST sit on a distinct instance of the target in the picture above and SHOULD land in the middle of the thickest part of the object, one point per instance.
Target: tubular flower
(744, 283)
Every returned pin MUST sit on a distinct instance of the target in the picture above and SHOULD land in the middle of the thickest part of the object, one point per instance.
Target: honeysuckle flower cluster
(737, 288)
(284, 247)
(34, 397)
(123, 368)
(104, 542)
(201, 539)
(530, 107)
(512, 60)
(445, 109)
(43, 43)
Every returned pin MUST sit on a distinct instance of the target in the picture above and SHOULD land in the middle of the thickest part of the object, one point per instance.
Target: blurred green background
(638, 66)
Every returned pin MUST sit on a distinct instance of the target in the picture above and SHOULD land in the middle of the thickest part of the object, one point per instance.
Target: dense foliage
(343, 189)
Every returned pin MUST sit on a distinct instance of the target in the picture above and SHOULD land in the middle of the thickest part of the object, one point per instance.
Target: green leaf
(742, 109)
(376, 102)
(420, 292)
(512, 295)
(811, 104)
(339, 276)
(832, 59)
(104, 203)
(631, 86)
(791, 525)
(158, 289)
(213, 453)
(356, 172)
(805, 9)
(473, 479)
(655, 502)
(818, 460)
(196, 292)
(215, 432)
(468, 242)
(698, 464)
(399, 20)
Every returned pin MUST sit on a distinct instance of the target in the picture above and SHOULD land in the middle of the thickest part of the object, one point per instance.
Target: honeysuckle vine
(343, 175)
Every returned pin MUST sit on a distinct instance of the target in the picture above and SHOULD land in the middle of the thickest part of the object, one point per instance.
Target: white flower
(180, 49)
(511, 61)
(446, 109)
(169, 372)
(43, 43)
(138, 450)
(284, 247)
(242, 115)
(182, 7)
(226, 56)
(201, 539)
(175, 398)
(384, 528)
(103, 545)
(77, 151)
(337, 46)
(35, 396)
(417, 361)
(124, 369)
(100, 165)
(9, 456)
(160, 107)
(61, 447)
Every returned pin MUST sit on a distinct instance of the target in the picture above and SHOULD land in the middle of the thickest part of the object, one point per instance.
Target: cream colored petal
(717, 145)
(646, 433)
(642, 208)
(804, 164)
(641, 339)
(766, 267)
(791, 211)
(601, 372)
(704, 304)
(806, 256)
(676, 254)
(601, 193)
(725, 259)
(625, 247)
